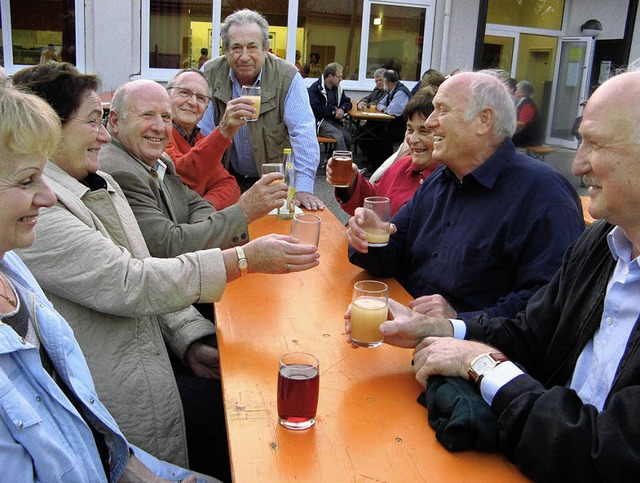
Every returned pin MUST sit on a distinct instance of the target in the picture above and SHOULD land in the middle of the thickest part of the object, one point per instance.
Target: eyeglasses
(95, 124)
(187, 93)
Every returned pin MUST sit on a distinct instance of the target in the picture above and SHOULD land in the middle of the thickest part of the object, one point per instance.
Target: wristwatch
(483, 364)
(243, 264)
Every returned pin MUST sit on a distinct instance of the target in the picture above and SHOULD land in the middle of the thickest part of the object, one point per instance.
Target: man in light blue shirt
(284, 119)
(570, 410)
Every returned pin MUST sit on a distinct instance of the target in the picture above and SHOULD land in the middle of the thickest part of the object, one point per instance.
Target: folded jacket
(460, 417)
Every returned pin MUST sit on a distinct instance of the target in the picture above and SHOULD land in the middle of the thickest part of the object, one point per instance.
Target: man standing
(573, 414)
(488, 229)
(173, 218)
(329, 104)
(529, 129)
(285, 117)
(198, 158)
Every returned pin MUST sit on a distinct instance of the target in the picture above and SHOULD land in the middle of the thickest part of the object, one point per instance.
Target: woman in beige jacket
(128, 310)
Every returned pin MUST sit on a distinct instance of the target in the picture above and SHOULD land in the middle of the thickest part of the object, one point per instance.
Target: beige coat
(92, 261)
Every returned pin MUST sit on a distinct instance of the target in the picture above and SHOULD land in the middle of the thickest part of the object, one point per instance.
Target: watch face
(483, 364)
(242, 263)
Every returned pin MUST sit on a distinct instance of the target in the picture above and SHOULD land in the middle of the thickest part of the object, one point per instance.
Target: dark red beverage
(298, 386)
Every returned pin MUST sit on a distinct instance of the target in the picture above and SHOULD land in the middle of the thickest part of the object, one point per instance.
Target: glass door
(570, 88)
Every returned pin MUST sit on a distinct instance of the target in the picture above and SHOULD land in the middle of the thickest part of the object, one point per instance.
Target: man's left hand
(308, 201)
(446, 356)
(339, 113)
(203, 360)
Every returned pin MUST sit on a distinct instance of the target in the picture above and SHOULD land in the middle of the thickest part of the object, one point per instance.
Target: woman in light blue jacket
(53, 427)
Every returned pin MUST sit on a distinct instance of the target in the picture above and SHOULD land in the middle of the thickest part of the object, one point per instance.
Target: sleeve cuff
(459, 328)
(496, 378)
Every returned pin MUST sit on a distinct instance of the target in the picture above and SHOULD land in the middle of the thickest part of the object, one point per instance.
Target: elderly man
(198, 158)
(173, 218)
(285, 117)
(378, 142)
(487, 229)
(572, 414)
(529, 130)
(329, 104)
(378, 91)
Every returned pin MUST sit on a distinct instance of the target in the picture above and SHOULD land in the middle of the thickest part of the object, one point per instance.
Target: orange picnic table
(369, 426)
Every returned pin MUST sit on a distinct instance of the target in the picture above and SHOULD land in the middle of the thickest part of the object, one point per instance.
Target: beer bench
(539, 152)
(329, 145)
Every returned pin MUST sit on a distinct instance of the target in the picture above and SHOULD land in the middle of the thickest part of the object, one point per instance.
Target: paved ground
(560, 160)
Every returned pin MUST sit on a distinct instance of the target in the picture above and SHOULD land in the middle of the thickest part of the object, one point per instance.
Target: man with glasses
(329, 105)
(198, 158)
(285, 118)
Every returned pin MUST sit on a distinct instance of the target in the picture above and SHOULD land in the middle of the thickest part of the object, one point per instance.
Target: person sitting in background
(198, 159)
(529, 128)
(173, 218)
(313, 68)
(406, 174)
(298, 65)
(377, 93)
(152, 355)
(329, 104)
(379, 140)
(487, 229)
(204, 56)
(53, 424)
(569, 412)
(431, 78)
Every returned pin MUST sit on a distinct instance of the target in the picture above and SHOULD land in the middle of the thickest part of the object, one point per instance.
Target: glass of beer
(306, 228)
(298, 388)
(368, 310)
(253, 93)
(377, 216)
(341, 169)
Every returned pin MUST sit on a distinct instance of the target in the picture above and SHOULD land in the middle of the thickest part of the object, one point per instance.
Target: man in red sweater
(198, 158)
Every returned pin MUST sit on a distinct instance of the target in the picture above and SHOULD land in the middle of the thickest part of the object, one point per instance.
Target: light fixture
(377, 21)
(592, 28)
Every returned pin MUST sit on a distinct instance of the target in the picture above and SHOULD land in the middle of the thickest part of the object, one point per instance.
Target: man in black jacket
(329, 105)
(572, 413)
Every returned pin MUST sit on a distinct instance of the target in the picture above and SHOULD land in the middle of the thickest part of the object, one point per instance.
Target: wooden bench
(329, 145)
(539, 152)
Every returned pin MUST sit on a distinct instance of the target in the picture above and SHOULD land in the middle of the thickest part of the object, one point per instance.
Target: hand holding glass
(306, 228)
(341, 169)
(298, 388)
(253, 93)
(368, 310)
(377, 213)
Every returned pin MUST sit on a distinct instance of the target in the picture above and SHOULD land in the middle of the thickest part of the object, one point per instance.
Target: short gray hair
(244, 17)
(174, 79)
(487, 92)
(379, 72)
(526, 87)
(331, 69)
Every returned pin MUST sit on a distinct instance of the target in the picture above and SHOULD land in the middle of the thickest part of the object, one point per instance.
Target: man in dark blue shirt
(487, 229)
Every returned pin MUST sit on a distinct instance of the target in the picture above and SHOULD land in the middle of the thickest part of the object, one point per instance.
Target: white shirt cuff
(496, 378)
(459, 328)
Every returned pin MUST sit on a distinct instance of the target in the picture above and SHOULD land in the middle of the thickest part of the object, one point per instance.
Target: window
(541, 14)
(41, 30)
(340, 31)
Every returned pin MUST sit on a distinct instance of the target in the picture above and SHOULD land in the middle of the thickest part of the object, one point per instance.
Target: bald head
(140, 118)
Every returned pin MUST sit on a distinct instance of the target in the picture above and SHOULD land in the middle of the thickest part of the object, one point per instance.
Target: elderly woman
(53, 425)
(406, 174)
(130, 311)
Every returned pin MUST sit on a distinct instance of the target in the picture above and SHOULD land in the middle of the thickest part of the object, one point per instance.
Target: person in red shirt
(529, 130)
(406, 174)
(198, 158)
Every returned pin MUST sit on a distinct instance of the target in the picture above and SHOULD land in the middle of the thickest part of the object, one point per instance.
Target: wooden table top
(363, 115)
(369, 426)
(588, 219)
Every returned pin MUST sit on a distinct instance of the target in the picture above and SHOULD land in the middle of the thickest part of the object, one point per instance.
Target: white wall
(635, 43)
(612, 14)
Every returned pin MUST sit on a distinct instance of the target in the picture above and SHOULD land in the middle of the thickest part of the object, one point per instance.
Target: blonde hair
(28, 124)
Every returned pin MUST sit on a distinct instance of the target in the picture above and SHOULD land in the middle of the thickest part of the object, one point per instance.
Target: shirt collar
(619, 245)
(161, 169)
(487, 173)
(190, 139)
(235, 80)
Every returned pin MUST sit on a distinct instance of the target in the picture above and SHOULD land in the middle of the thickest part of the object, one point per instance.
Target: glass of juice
(268, 168)
(298, 387)
(253, 93)
(341, 169)
(368, 310)
(377, 216)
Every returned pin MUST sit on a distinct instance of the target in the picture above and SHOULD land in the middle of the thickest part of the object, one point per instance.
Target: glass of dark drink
(341, 169)
(298, 387)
